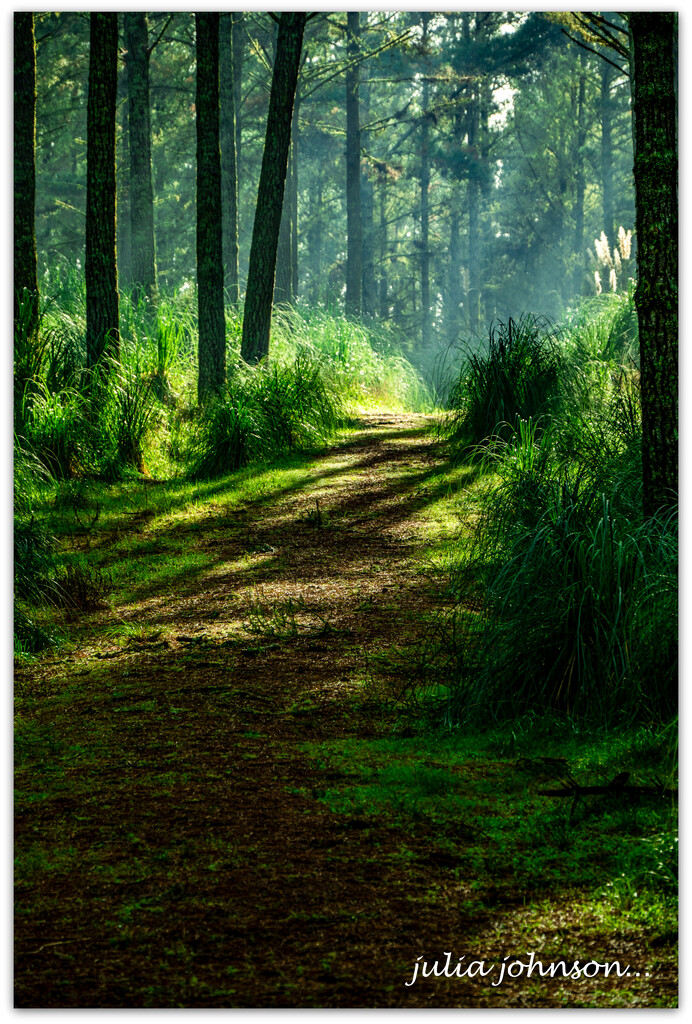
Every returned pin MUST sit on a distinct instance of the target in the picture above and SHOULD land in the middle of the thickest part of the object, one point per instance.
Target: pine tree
(143, 253)
(354, 259)
(654, 110)
(211, 319)
(270, 193)
(229, 170)
(101, 275)
(25, 271)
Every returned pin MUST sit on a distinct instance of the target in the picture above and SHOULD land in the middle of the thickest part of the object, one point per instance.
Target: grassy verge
(168, 774)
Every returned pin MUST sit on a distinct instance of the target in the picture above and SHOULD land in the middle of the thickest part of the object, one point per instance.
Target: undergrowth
(137, 416)
(566, 596)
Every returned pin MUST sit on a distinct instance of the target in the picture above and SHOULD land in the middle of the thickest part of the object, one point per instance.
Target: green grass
(522, 373)
(474, 795)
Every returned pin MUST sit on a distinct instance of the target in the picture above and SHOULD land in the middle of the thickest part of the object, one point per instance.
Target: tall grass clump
(603, 330)
(262, 413)
(567, 595)
(365, 360)
(577, 591)
(521, 373)
(34, 553)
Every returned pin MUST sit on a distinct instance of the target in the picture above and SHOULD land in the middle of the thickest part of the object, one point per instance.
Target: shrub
(263, 412)
(578, 591)
(34, 553)
(122, 399)
(365, 361)
(522, 374)
(55, 428)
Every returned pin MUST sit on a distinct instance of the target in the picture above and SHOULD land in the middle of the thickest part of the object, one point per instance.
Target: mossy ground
(226, 797)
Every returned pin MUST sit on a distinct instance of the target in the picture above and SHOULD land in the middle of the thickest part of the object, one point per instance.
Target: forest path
(182, 855)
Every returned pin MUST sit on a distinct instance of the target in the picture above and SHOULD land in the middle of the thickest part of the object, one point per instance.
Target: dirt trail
(200, 869)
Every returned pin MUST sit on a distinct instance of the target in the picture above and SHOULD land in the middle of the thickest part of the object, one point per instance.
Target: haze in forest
(494, 151)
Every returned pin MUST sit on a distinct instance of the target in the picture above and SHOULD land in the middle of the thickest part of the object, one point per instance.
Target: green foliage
(578, 591)
(55, 427)
(122, 405)
(263, 412)
(604, 329)
(34, 554)
(474, 790)
(365, 361)
(522, 373)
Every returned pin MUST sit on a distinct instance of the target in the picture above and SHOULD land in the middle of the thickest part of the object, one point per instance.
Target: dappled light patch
(226, 800)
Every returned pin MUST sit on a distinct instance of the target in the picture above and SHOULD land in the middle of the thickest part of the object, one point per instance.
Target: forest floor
(193, 826)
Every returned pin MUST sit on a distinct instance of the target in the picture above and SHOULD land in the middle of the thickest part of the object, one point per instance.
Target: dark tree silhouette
(143, 256)
(654, 111)
(270, 194)
(100, 267)
(426, 317)
(211, 320)
(229, 173)
(354, 257)
(25, 273)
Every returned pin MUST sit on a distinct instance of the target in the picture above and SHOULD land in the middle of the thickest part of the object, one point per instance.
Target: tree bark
(238, 50)
(383, 246)
(100, 266)
(579, 180)
(315, 233)
(270, 194)
(293, 196)
(282, 277)
(25, 264)
(143, 250)
(211, 320)
(473, 116)
(354, 223)
(606, 110)
(654, 114)
(123, 213)
(367, 200)
(426, 325)
(229, 172)
(454, 291)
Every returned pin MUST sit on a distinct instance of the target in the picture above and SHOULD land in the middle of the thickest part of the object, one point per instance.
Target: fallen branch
(618, 785)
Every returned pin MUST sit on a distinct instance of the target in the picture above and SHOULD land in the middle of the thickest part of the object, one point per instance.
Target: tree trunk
(238, 49)
(123, 217)
(143, 253)
(211, 321)
(229, 174)
(580, 181)
(454, 291)
(424, 202)
(282, 277)
(474, 202)
(354, 224)
(314, 239)
(473, 192)
(100, 266)
(25, 270)
(384, 282)
(270, 193)
(654, 114)
(607, 73)
(367, 199)
(293, 196)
